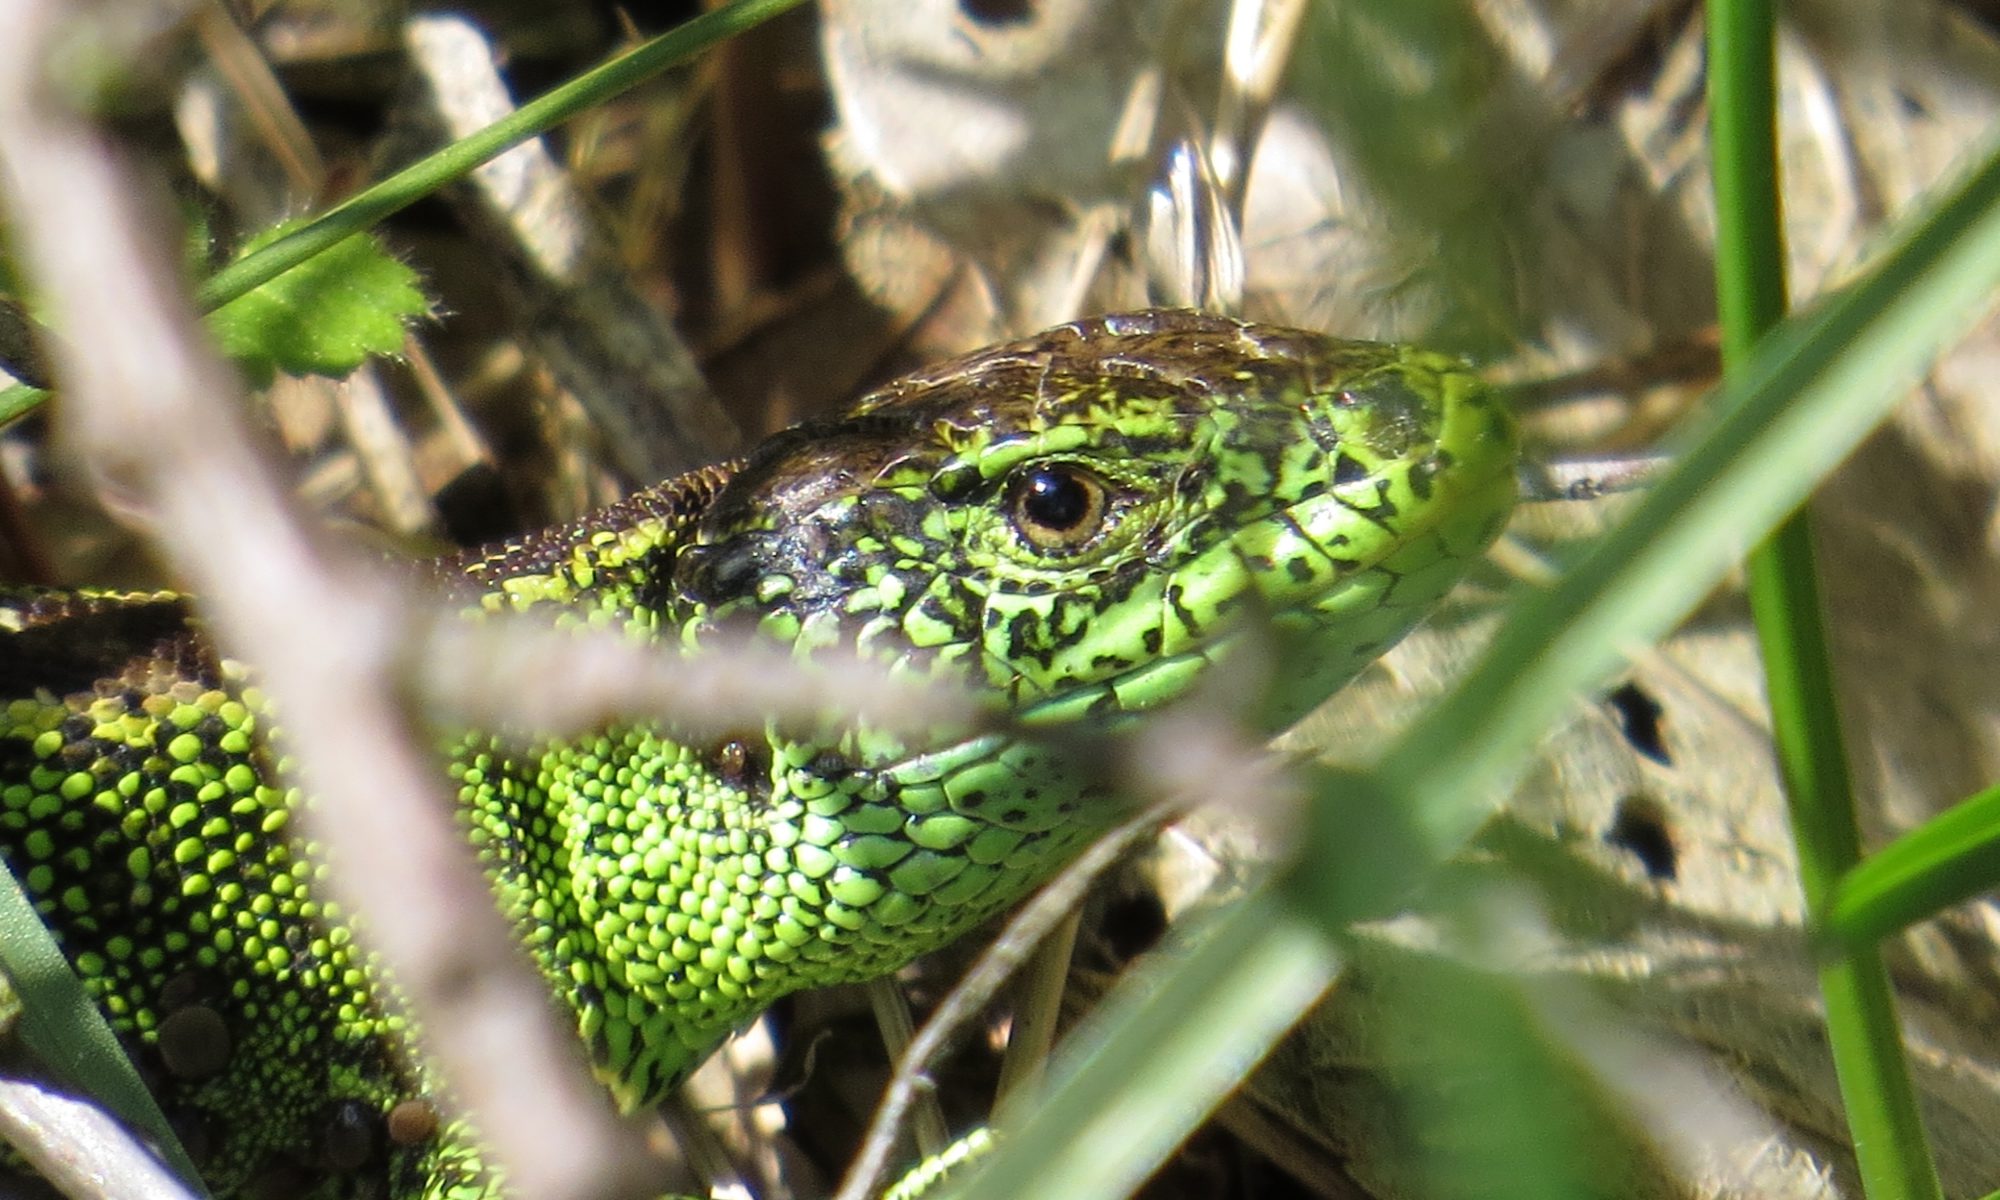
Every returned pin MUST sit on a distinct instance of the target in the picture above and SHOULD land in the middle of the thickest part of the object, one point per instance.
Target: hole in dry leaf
(992, 13)
(1134, 923)
(1639, 720)
(1640, 826)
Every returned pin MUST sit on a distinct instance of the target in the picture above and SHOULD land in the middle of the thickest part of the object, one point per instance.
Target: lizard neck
(564, 828)
(669, 892)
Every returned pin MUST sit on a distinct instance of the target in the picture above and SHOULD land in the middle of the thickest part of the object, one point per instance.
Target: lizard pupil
(1057, 506)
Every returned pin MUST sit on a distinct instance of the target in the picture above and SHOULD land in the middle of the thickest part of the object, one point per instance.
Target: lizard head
(1078, 523)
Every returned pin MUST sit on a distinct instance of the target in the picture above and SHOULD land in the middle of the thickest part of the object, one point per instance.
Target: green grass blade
(1950, 858)
(1743, 126)
(17, 400)
(1879, 1096)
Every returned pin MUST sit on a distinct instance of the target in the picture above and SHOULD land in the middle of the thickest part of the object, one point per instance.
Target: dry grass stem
(79, 1147)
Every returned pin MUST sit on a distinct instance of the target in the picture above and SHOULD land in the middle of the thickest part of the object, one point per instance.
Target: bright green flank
(1078, 525)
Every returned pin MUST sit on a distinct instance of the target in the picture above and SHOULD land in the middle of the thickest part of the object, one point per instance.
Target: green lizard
(1071, 523)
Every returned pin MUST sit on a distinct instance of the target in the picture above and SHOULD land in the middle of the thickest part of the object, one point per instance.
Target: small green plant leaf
(324, 316)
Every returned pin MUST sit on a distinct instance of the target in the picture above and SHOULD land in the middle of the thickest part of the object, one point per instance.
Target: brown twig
(470, 674)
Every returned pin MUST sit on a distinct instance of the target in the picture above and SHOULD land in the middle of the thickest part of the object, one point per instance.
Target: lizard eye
(1056, 506)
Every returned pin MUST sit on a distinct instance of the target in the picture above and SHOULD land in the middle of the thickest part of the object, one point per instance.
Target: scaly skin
(1070, 523)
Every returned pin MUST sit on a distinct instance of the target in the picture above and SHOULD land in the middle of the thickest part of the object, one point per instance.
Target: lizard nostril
(1322, 433)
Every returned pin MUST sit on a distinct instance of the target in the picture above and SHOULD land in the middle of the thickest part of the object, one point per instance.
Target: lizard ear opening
(716, 574)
